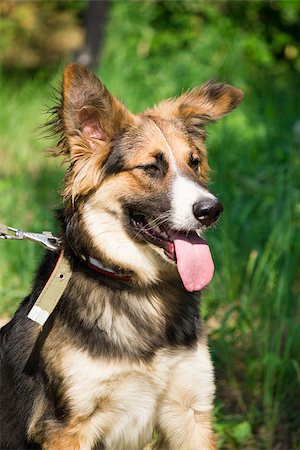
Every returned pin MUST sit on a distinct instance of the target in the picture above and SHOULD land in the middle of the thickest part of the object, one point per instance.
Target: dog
(123, 357)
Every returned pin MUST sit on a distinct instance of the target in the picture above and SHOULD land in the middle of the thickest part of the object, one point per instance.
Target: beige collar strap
(52, 292)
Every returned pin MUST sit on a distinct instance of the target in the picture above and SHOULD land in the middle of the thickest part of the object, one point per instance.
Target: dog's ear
(89, 112)
(87, 120)
(204, 104)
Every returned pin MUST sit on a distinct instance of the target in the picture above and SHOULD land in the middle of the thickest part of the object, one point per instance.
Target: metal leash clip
(46, 238)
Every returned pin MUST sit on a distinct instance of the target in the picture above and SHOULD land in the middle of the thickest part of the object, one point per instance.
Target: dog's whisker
(158, 221)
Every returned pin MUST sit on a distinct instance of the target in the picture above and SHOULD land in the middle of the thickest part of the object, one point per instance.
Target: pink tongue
(194, 261)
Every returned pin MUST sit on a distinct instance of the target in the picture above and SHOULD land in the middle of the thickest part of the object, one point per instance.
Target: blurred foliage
(267, 31)
(35, 34)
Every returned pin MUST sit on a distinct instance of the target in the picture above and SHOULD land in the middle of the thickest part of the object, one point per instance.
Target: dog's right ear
(87, 120)
(90, 116)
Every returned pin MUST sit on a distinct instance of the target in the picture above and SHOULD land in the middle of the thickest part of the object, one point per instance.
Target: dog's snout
(207, 211)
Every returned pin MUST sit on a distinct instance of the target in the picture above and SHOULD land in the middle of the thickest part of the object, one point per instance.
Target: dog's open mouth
(155, 234)
(190, 252)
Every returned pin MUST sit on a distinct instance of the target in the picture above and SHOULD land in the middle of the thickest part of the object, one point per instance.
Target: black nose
(207, 211)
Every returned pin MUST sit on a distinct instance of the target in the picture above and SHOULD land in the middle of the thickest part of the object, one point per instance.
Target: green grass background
(252, 305)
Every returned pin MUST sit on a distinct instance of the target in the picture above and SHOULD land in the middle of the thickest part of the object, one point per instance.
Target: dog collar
(97, 265)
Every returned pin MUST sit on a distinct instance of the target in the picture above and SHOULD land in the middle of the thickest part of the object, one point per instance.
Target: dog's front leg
(185, 430)
(185, 410)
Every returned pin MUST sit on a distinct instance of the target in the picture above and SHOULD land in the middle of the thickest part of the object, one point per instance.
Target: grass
(252, 307)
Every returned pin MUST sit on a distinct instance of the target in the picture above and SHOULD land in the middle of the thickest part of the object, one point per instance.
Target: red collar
(96, 265)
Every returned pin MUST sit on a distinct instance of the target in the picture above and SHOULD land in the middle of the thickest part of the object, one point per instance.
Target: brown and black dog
(124, 353)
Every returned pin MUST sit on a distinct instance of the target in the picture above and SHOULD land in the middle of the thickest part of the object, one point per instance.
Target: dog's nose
(207, 211)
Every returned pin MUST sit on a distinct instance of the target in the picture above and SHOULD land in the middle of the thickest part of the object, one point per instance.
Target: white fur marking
(185, 193)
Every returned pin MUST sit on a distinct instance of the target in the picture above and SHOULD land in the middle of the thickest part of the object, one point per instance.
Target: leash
(59, 278)
(46, 238)
(56, 284)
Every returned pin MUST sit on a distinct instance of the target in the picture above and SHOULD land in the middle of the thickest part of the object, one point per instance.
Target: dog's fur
(118, 360)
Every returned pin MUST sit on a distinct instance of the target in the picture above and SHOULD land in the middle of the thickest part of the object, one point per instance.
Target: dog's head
(135, 191)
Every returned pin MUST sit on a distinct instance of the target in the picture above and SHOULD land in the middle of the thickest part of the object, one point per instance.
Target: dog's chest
(111, 398)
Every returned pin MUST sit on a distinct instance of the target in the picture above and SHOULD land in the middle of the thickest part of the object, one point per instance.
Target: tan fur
(63, 441)
(208, 102)
(87, 164)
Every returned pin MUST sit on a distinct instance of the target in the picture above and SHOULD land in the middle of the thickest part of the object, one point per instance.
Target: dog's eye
(195, 162)
(151, 169)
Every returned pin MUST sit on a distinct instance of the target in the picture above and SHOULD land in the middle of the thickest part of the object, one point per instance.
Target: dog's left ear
(202, 105)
